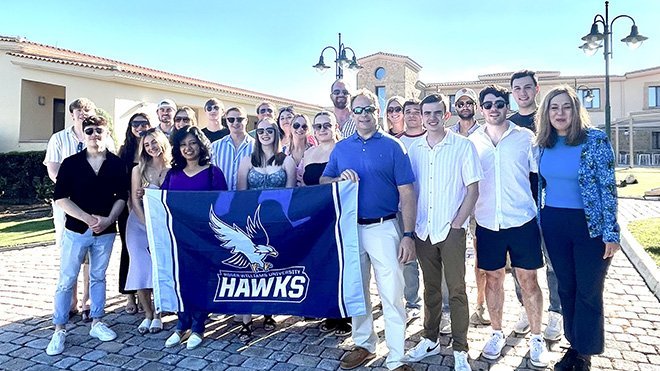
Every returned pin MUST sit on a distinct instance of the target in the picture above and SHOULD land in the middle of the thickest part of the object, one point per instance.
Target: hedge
(23, 178)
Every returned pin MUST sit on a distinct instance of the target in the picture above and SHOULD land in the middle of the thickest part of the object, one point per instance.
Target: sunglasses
(461, 104)
(297, 125)
(90, 131)
(394, 109)
(367, 109)
(270, 131)
(264, 110)
(325, 125)
(287, 109)
(138, 123)
(499, 104)
(147, 132)
(211, 108)
(340, 92)
(186, 120)
(231, 120)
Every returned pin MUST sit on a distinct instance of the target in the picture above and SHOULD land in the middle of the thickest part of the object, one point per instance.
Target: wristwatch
(409, 234)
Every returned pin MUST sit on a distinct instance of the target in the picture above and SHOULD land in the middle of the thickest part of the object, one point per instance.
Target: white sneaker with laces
(423, 349)
(412, 313)
(494, 345)
(555, 327)
(461, 361)
(538, 352)
(522, 326)
(445, 324)
(102, 332)
(56, 344)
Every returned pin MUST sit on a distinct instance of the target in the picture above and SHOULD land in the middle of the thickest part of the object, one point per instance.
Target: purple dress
(210, 179)
(139, 268)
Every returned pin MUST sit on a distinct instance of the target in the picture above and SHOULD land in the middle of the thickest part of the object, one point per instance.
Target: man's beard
(466, 116)
(341, 104)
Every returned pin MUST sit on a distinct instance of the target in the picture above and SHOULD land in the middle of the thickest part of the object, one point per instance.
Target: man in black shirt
(215, 111)
(92, 189)
(524, 88)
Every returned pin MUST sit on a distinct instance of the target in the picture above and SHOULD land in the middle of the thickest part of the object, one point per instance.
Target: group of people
(533, 189)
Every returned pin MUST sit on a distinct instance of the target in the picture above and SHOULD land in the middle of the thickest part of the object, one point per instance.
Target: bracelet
(409, 234)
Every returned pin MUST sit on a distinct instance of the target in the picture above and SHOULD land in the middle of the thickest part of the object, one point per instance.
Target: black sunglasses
(367, 109)
(186, 120)
(264, 110)
(138, 123)
(237, 119)
(461, 104)
(147, 132)
(270, 131)
(394, 109)
(90, 131)
(499, 104)
(339, 92)
(297, 125)
(211, 108)
(325, 125)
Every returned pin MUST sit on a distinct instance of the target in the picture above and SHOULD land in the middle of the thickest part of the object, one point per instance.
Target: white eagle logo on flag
(245, 252)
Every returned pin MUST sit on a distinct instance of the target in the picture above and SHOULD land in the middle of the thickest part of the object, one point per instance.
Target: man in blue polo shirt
(380, 163)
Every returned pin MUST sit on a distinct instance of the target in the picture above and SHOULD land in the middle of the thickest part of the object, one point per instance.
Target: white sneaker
(412, 313)
(445, 324)
(461, 361)
(102, 332)
(538, 352)
(494, 345)
(555, 327)
(522, 326)
(56, 344)
(193, 341)
(423, 349)
(175, 339)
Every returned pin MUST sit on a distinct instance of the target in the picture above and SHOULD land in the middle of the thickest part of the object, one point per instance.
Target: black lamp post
(341, 60)
(593, 43)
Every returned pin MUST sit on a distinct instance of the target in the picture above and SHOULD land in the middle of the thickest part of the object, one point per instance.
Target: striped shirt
(65, 143)
(442, 174)
(227, 157)
(456, 128)
(349, 128)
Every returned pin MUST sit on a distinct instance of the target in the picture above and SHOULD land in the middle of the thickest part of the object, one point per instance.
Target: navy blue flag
(280, 251)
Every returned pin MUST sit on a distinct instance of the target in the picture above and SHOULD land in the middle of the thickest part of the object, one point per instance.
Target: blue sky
(270, 46)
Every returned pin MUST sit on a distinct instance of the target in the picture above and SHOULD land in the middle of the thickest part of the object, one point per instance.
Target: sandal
(86, 317)
(73, 312)
(328, 325)
(131, 307)
(344, 329)
(156, 326)
(245, 333)
(269, 323)
(144, 326)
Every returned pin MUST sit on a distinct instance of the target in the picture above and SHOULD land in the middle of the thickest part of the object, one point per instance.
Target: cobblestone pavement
(29, 276)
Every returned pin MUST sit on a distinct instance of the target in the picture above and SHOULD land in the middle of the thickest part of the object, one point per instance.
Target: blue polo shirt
(382, 164)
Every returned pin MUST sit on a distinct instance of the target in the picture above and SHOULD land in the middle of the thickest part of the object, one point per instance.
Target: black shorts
(522, 243)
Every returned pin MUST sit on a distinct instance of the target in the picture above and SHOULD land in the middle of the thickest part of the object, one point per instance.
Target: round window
(380, 73)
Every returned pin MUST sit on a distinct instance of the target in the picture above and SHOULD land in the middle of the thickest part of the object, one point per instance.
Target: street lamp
(592, 42)
(341, 61)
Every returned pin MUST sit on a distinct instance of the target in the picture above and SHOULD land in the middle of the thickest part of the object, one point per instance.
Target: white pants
(379, 247)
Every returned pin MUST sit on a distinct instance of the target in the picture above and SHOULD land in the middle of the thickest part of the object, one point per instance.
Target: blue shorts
(522, 243)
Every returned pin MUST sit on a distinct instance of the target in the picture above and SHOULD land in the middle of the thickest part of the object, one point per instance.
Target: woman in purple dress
(191, 171)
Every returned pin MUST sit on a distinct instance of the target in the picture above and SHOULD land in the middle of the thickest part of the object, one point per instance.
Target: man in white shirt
(227, 152)
(506, 219)
(447, 172)
(340, 97)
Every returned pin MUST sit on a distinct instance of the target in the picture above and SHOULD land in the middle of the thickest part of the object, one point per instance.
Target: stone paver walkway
(27, 284)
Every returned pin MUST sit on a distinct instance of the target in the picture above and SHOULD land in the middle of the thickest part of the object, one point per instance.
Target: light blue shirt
(559, 167)
(227, 157)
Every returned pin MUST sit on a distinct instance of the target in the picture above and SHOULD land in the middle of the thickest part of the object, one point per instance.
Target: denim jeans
(72, 253)
(192, 320)
(411, 284)
(555, 303)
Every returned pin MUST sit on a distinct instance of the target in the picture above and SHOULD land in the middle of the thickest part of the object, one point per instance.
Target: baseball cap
(466, 92)
(167, 103)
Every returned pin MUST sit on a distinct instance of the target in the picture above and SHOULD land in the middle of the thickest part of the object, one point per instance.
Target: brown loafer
(356, 358)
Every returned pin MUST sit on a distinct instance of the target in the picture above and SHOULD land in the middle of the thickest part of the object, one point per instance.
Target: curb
(641, 261)
(26, 246)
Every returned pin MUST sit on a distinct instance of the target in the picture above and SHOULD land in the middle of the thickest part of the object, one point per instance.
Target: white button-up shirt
(442, 174)
(505, 198)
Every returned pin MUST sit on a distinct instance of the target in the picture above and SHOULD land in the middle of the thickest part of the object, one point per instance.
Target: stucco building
(634, 96)
(39, 81)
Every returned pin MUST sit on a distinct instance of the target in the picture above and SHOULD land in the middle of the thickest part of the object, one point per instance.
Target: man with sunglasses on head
(92, 189)
(525, 88)
(466, 108)
(165, 111)
(506, 219)
(380, 163)
(227, 152)
(214, 129)
(341, 97)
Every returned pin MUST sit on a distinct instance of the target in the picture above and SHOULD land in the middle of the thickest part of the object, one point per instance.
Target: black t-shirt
(92, 193)
(215, 135)
(528, 121)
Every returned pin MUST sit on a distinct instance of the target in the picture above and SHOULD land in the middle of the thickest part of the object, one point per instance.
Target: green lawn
(645, 232)
(13, 233)
(647, 177)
